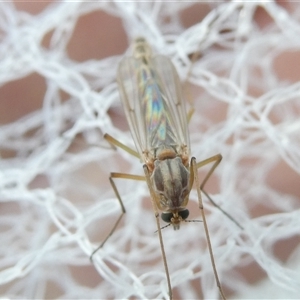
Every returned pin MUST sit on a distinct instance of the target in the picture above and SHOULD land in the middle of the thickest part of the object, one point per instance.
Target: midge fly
(151, 96)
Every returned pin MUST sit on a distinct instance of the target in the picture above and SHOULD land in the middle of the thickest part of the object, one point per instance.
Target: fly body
(151, 96)
(157, 118)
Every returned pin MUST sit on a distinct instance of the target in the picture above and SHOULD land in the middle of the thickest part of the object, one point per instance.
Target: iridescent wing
(151, 96)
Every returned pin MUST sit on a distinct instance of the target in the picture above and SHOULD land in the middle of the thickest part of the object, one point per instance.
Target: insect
(151, 97)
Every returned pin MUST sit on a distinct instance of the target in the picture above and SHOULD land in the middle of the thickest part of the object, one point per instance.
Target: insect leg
(216, 159)
(123, 210)
(154, 201)
(194, 171)
(116, 143)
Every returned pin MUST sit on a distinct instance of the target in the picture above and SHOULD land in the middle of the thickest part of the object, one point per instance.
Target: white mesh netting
(58, 98)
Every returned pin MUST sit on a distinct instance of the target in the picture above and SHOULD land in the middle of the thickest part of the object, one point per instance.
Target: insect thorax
(171, 183)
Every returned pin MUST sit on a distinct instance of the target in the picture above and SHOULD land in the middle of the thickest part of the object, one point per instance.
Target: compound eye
(184, 214)
(167, 217)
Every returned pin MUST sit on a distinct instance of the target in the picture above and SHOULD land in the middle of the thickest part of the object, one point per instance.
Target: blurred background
(58, 96)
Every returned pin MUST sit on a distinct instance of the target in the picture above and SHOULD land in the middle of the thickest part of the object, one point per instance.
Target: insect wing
(129, 91)
(166, 77)
(173, 96)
